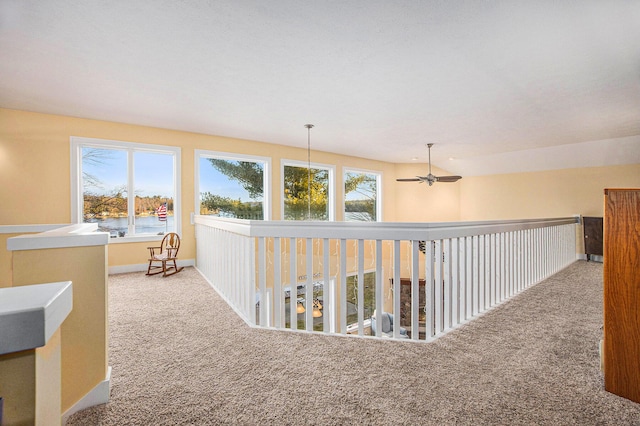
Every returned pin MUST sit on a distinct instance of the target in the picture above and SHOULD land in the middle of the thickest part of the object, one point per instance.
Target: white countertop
(29, 315)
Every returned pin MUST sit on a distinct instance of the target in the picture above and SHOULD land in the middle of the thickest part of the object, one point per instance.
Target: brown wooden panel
(622, 292)
(593, 236)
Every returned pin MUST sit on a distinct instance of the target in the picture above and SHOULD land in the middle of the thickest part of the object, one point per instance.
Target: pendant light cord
(308, 126)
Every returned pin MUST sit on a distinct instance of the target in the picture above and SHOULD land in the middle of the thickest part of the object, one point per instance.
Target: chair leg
(156, 269)
(174, 267)
(152, 267)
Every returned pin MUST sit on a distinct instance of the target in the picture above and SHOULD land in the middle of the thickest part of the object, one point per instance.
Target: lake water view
(117, 226)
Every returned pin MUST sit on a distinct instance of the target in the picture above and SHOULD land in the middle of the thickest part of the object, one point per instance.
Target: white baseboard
(96, 396)
(142, 267)
(600, 352)
(593, 257)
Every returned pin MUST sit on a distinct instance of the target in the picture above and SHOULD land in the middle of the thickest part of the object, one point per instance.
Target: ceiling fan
(430, 178)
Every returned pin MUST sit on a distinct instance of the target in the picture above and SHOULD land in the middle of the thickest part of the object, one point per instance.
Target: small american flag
(162, 212)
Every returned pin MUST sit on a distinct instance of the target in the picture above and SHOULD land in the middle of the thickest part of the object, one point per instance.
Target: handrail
(376, 230)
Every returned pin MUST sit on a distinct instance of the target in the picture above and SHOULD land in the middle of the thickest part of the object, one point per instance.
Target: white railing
(272, 272)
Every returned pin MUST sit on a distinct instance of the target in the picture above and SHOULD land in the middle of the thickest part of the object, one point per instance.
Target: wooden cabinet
(622, 292)
(593, 234)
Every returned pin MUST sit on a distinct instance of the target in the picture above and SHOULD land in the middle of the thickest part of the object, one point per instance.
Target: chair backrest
(387, 322)
(171, 244)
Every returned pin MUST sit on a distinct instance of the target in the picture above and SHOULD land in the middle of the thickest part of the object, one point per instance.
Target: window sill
(135, 239)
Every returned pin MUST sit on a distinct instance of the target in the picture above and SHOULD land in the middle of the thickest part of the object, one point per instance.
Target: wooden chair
(166, 253)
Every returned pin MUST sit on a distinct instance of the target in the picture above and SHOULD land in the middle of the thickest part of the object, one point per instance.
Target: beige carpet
(181, 356)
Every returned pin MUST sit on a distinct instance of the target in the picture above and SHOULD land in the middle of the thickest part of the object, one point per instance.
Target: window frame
(266, 179)
(378, 175)
(354, 325)
(331, 201)
(77, 200)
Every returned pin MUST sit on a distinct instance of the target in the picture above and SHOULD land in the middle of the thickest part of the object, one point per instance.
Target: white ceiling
(499, 86)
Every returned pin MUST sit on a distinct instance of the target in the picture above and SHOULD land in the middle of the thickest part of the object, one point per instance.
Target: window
(300, 204)
(369, 302)
(232, 185)
(361, 196)
(128, 189)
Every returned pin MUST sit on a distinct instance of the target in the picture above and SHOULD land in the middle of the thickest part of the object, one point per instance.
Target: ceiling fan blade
(430, 178)
(448, 178)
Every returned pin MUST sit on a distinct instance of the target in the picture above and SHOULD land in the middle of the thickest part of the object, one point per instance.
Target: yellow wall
(30, 385)
(419, 202)
(35, 159)
(84, 331)
(555, 193)
(5, 261)
(49, 381)
(18, 386)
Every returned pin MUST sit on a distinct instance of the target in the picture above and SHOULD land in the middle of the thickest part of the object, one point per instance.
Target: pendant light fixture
(317, 306)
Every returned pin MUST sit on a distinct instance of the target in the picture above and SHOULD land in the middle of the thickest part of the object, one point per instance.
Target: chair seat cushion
(161, 256)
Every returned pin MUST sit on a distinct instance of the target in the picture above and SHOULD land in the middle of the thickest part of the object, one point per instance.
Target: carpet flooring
(181, 356)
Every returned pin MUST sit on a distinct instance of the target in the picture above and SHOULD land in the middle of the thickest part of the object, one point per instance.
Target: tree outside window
(299, 203)
(231, 188)
(127, 189)
(104, 184)
(361, 195)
